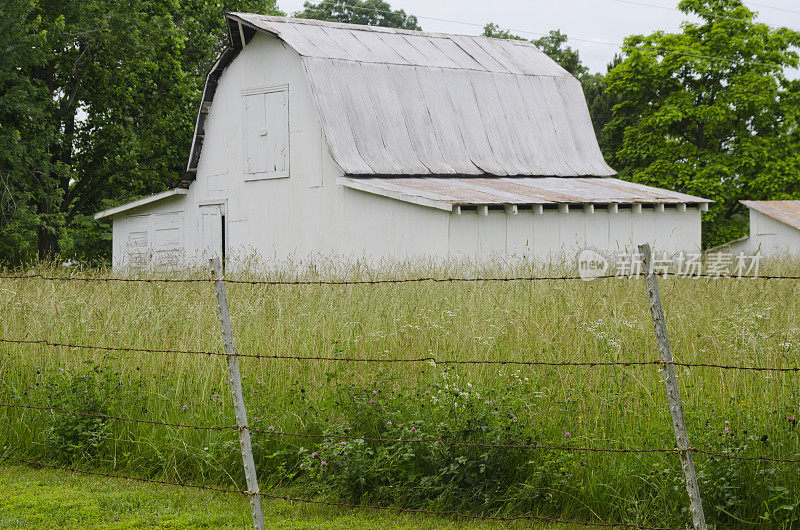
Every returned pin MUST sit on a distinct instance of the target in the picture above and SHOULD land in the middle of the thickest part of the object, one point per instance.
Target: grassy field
(744, 413)
(40, 498)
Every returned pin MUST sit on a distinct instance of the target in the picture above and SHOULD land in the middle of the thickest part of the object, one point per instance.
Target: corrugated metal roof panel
(507, 108)
(787, 212)
(520, 190)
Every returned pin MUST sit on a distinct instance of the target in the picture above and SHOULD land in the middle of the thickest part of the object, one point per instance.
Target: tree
(600, 101)
(112, 87)
(23, 137)
(366, 12)
(710, 111)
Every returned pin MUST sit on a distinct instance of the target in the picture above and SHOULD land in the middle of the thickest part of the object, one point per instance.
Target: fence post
(235, 380)
(671, 384)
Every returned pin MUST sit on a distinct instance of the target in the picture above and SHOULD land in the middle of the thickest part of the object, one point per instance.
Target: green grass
(750, 322)
(43, 498)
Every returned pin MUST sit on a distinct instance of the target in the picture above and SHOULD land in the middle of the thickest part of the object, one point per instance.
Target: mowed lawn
(45, 498)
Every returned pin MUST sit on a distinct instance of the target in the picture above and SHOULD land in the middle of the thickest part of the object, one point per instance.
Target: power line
(784, 9)
(707, 14)
(669, 8)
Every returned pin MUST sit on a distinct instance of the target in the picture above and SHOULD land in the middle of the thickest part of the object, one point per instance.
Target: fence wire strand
(392, 281)
(438, 440)
(120, 418)
(274, 496)
(427, 359)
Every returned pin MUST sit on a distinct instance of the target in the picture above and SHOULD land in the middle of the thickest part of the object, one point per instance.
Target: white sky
(598, 20)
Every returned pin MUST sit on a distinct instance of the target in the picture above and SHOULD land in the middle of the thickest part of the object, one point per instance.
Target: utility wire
(702, 14)
(784, 9)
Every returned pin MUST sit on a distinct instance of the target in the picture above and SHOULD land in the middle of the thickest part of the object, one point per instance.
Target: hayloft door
(212, 231)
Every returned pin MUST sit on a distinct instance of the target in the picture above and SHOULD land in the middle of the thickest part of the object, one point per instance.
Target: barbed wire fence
(665, 362)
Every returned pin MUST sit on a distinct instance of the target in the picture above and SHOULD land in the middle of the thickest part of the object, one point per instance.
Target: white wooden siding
(311, 215)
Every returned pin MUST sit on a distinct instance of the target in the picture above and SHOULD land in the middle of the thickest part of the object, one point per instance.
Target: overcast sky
(608, 21)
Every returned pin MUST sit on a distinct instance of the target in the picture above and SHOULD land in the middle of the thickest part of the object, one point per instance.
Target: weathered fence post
(235, 380)
(671, 384)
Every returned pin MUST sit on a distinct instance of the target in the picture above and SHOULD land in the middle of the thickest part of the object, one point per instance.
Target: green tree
(23, 136)
(99, 107)
(710, 111)
(366, 12)
(601, 102)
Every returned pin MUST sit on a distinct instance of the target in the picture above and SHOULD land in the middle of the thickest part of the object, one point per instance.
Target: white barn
(774, 230)
(318, 138)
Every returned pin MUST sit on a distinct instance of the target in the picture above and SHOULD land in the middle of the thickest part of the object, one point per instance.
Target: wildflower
(322, 463)
(314, 454)
(185, 407)
(790, 418)
(372, 401)
(216, 396)
(270, 428)
(413, 429)
(727, 422)
(727, 430)
(374, 392)
(388, 423)
(255, 418)
(343, 443)
(303, 464)
(567, 434)
(513, 418)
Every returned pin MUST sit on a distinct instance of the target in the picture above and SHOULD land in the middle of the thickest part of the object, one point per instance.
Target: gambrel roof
(399, 102)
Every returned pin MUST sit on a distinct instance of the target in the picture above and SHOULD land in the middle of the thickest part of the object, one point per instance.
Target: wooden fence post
(671, 384)
(235, 380)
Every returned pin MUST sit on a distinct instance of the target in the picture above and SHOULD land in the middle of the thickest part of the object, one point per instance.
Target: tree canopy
(97, 104)
(365, 12)
(710, 111)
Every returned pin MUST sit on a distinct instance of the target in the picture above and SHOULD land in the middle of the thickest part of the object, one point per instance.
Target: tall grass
(726, 321)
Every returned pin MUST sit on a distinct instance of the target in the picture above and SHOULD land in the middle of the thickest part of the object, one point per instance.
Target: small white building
(318, 138)
(774, 230)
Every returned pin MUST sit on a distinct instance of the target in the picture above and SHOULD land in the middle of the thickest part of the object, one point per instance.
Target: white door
(212, 231)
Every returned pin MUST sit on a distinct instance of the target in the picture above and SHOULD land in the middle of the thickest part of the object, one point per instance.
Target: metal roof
(444, 193)
(140, 202)
(787, 212)
(400, 102)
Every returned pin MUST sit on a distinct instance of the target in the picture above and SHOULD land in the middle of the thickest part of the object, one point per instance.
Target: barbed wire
(735, 457)
(121, 418)
(101, 279)
(401, 440)
(391, 281)
(426, 359)
(442, 513)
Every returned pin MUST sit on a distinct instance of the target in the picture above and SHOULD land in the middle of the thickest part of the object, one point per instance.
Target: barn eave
(111, 212)
(454, 193)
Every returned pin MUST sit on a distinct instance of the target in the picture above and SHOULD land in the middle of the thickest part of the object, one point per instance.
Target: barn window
(266, 132)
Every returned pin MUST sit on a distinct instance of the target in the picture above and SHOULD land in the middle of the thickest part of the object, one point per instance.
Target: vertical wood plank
(235, 380)
(671, 384)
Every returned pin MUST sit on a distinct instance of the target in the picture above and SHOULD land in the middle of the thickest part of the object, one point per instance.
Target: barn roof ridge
(405, 102)
(366, 27)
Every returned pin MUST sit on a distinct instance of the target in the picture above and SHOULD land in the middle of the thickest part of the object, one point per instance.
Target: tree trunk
(46, 235)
